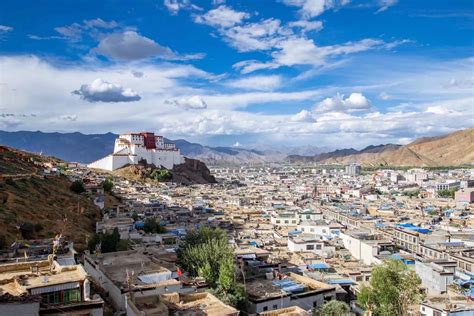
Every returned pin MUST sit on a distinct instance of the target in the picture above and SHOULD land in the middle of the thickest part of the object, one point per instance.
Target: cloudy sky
(337, 73)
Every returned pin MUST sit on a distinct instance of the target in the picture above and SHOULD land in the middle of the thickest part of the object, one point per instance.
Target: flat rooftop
(263, 289)
(147, 269)
(17, 278)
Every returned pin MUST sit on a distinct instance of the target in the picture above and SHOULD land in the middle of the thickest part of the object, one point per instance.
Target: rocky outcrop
(192, 171)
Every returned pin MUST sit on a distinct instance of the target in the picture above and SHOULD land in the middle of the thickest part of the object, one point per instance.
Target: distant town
(275, 239)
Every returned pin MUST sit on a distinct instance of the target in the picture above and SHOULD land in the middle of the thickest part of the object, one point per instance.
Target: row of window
(286, 221)
(61, 297)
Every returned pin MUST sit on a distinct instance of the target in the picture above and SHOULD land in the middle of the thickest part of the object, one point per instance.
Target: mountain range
(453, 149)
(448, 150)
(86, 148)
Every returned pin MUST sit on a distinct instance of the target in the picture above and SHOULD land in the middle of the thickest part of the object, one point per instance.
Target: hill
(454, 149)
(36, 206)
(192, 171)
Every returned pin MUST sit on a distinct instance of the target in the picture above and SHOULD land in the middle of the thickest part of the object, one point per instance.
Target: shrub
(77, 187)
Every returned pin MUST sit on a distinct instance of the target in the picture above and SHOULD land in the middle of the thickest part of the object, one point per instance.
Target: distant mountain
(449, 150)
(87, 148)
(66, 146)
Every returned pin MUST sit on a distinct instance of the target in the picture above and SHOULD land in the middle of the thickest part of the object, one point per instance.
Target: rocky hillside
(34, 206)
(191, 172)
(449, 150)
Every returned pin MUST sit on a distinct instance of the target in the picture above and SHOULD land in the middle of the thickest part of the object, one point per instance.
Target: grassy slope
(41, 200)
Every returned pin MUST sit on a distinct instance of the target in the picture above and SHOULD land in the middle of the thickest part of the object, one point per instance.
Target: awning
(55, 288)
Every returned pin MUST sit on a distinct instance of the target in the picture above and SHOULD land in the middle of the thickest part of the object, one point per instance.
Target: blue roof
(341, 281)
(415, 228)
(320, 265)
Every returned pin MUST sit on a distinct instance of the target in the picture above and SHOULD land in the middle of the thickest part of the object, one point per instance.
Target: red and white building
(131, 148)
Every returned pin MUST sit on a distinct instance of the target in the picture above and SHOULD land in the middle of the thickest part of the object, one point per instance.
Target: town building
(267, 294)
(46, 287)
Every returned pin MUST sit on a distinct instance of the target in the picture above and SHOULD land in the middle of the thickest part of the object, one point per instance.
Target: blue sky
(335, 73)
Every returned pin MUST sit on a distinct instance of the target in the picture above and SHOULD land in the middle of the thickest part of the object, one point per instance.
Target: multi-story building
(353, 169)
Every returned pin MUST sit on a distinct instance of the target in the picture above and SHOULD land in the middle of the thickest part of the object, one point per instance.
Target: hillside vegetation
(34, 206)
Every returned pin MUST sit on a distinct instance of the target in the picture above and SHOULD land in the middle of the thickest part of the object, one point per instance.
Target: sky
(332, 73)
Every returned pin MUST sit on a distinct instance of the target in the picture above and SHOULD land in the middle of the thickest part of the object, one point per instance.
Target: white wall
(359, 249)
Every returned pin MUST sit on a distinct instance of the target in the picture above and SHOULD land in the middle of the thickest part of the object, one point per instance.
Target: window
(275, 306)
(318, 247)
(265, 308)
(51, 298)
(278, 221)
(286, 221)
(73, 295)
(468, 267)
(309, 247)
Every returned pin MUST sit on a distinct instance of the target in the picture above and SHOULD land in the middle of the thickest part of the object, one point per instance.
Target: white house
(309, 243)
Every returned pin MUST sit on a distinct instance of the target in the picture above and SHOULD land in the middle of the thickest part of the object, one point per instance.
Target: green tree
(226, 280)
(448, 193)
(109, 242)
(161, 175)
(107, 185)
(393, 287)
(135, 216)
(151, 225)
(334, 308)
(78, 187)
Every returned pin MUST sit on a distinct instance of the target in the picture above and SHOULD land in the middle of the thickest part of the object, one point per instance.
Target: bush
(161, 175)
(447, 193)
(152, 226)
(108, 185)
(78, 187)
(108, 242)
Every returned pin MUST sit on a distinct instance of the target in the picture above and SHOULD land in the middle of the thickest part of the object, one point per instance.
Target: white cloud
(303, 116)
(71, 118)
(75, 31)
(191, 103)
(263, 35)
(384, 96)
(174, 6)
(72, 32)
(354, 103)
(312, 8)
(137, 74)
(385, 4)
(103, 91)
(461, 83)
(307, 26)
(5, 29)
(40, 87)
(99, 23)
(130, 45)
(302, 51)
(222, 16)
(256, 82)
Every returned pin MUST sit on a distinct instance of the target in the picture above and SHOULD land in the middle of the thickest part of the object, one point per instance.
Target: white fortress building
(131, 148)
